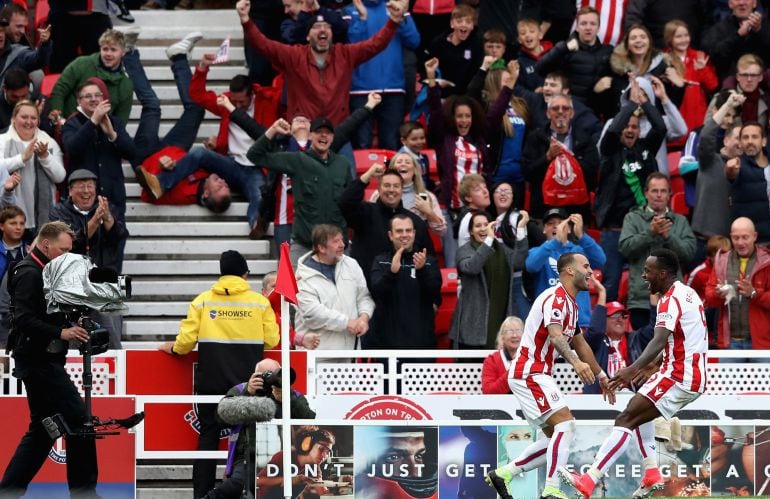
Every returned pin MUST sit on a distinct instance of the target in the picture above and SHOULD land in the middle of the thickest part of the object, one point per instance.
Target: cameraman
(265, 382)
(39, 345)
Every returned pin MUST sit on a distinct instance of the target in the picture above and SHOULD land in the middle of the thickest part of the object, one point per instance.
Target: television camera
(74, 287)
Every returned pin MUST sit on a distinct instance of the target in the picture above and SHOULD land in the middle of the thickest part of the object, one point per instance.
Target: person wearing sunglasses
(609, 335)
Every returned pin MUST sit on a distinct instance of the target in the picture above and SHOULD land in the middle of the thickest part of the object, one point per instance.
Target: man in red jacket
(740, 287)
(318, 75)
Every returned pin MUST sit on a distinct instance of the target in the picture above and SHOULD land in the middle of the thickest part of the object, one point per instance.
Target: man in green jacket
(646, 228)
(107, 65)
(318, 178)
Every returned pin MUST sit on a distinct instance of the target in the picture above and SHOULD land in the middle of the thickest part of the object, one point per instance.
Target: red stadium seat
(365, 158)
(673, 163)
(677, 185)
(679, 204)
(41, 12)
(595, 234)
(623, 287)
(46, 86)
(437, 245)
(448, 301)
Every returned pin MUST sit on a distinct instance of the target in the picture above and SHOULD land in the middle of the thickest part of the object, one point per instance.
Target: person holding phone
(414, 196)
(646, 228)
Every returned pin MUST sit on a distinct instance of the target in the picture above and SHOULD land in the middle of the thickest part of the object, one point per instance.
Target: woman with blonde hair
(38, 159)
(414, 196)
(494, 372)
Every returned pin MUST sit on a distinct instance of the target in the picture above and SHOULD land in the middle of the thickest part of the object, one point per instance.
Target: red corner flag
(285, 283)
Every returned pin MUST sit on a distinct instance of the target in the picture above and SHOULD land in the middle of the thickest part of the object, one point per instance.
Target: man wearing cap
(318, 176)
(318, 75)
(614, 346)
(564, 234)
(99, 234)
(232, 325)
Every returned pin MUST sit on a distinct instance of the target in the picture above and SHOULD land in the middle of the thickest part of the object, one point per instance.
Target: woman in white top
(37, 157)
(415, 197)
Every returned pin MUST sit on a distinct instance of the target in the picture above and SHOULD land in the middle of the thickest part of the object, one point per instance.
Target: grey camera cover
(65, 282)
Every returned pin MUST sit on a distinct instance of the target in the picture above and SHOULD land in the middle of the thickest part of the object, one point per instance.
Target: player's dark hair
(565, 261)
(666, 260)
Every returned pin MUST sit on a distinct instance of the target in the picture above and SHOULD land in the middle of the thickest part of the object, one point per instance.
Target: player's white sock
(613, 447)
(558, 451)
(645, 438)
(530, 458)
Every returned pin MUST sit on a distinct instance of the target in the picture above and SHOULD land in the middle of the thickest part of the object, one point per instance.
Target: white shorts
(538, 396)
(667, 395)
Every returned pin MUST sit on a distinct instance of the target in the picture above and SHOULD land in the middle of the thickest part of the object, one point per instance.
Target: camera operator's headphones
(308, 439)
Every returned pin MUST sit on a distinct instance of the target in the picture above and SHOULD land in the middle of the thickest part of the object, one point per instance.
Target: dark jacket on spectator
(584, 66)
(103, 247)
(613, 197)
(528, 76)
(316, 185)
(370, 223)
(596, 337)
(711, 214)
(584, 119)
(457, 62)
(535, 163)
(725, 46)
(469, 320)
(86, 146)
(748, 197)
(403, 312)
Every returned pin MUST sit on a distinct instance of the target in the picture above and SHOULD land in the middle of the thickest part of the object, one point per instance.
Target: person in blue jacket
(614, 346)
(564, 234)
(384, 73)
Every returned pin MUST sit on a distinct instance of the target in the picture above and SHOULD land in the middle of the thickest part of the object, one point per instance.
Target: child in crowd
(413, 141)
(494, 46)
(12, 250)
(531, 49)
(458, 51)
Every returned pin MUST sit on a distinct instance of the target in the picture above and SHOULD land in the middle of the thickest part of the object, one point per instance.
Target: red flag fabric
(286, 283)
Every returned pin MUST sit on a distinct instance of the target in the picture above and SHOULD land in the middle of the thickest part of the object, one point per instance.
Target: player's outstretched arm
(625, 376)
(584, 352)
(559, 342)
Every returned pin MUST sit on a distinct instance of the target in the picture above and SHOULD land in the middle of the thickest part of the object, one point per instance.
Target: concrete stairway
(173, 251)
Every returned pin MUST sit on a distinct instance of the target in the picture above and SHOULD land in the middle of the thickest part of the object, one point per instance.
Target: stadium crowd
(509, 133)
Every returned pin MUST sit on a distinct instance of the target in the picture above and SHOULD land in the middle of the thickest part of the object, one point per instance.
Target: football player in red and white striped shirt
(550, 328)
(681, 334)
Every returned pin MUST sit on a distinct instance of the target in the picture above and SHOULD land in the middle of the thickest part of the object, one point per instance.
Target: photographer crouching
(39, 342)
(258, 399)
